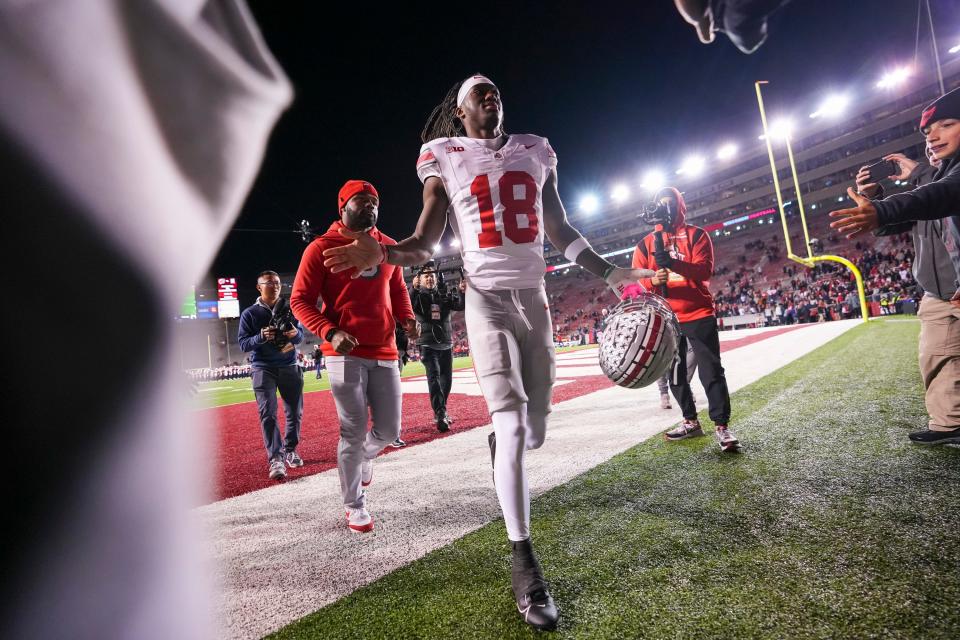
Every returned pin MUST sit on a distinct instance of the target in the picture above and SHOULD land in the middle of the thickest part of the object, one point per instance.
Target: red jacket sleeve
(400, 297)
(307, 286)
(643, 260)
(700, 266)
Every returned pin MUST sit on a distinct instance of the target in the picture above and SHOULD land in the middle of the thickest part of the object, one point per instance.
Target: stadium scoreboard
(228, 300)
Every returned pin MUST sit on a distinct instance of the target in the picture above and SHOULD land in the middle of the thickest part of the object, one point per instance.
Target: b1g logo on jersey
(454, 149)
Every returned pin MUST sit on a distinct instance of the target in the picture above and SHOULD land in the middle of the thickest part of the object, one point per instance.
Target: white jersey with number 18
(496, 205)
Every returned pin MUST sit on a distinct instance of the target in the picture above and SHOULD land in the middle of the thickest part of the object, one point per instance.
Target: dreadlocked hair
(443, 121)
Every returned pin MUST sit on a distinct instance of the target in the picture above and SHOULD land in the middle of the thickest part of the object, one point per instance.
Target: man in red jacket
(683, 267)
(357, 322)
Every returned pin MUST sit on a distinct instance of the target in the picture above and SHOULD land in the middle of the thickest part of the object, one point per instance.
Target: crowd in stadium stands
(825, 292)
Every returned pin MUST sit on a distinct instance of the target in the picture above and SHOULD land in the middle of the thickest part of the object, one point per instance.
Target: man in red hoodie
(683, 267)
(357, 321)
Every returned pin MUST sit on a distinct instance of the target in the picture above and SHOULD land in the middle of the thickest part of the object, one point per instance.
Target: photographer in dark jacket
(270, 332)
(933, 211)
(432, 304)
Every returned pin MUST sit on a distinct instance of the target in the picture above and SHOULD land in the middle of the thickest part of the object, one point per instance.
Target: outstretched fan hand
(361, 254)
(860, 219)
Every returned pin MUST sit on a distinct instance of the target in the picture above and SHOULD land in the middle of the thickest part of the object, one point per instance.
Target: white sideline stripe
(285, 551)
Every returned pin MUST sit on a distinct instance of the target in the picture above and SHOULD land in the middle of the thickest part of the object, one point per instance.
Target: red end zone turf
(242, 461)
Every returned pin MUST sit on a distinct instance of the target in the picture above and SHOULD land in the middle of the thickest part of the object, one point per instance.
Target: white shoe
(728, 441)
(359, 520)
(665, 401)
(366, 473)
(277, 470)
(687, 429)
(294, 460)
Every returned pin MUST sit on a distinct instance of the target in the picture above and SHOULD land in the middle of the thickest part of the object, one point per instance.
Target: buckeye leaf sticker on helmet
(639, 341)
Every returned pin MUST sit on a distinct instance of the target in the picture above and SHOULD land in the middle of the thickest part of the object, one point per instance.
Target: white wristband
(575, 248)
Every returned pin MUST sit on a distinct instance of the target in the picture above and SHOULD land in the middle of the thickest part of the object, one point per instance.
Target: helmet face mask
(639, 342)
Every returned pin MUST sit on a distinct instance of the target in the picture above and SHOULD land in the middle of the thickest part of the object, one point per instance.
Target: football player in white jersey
(500, 193)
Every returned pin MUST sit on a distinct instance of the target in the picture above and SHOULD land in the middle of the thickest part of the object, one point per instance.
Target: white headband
(470, 83)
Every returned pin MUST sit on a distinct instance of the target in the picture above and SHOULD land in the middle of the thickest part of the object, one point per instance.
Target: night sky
(617, 87)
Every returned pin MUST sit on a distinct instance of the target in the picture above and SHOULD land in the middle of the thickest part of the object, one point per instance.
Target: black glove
(663, 259)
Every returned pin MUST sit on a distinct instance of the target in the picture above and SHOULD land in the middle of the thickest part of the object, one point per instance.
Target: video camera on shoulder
(430, 266)
(655, 213)
(283, 321)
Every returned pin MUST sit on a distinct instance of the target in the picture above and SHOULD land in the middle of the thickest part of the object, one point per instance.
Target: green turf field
(224, 392)
(830, 524)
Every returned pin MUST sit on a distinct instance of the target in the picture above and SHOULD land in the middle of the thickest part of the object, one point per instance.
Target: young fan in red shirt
(683, 269)
(357, 321)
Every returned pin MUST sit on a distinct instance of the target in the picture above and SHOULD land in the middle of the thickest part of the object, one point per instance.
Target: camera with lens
(283, 321)
(431, 267)
(656, 213)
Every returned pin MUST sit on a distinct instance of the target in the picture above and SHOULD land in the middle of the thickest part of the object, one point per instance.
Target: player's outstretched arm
(576, 248)
(365, 252)
(418, 248)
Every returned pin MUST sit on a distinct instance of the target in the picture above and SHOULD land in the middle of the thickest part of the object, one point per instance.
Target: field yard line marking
(284, 552)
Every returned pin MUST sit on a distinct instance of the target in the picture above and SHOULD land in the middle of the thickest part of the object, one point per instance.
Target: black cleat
(530, 589)
(443, 424)
(935, 437)
(492, 441)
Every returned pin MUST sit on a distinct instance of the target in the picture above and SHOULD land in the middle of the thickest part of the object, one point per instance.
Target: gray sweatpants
(511, 340)
(358, 383)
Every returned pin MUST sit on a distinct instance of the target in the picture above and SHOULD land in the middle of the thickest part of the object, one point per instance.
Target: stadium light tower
(726, 151)
(620, 193)
(692, 166)
(589, 203)
(832, 107)
(779, 129)
(895, 78)
(653, 180)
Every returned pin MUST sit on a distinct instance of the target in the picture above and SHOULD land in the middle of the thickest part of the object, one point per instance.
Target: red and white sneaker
(366, 473)
(359, 520)
(728, 441)
(687, 429)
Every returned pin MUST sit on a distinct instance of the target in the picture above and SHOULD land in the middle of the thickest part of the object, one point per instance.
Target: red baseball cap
(352, 188)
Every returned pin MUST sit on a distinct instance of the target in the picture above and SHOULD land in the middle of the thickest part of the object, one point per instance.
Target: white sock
(509, 473)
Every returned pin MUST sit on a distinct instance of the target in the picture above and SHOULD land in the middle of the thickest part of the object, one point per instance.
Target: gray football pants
(358, 383)
(511, 341)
